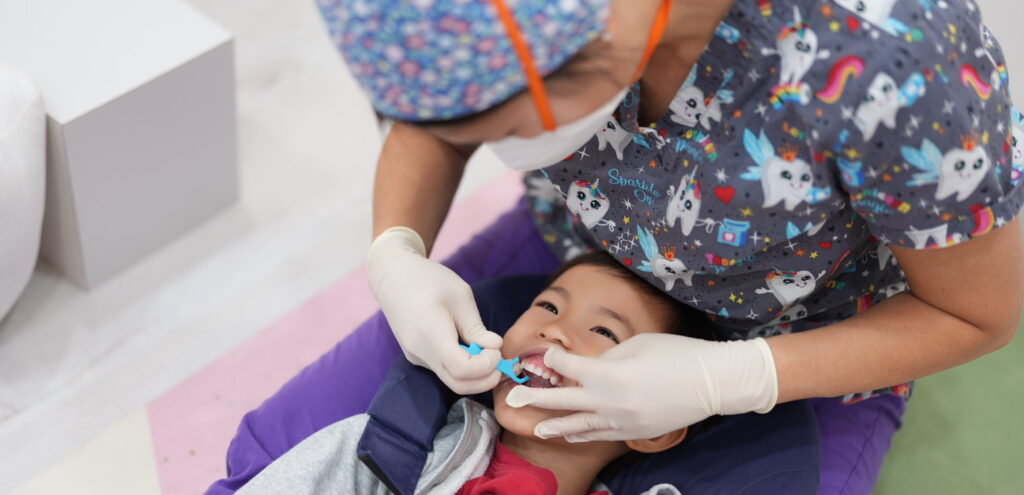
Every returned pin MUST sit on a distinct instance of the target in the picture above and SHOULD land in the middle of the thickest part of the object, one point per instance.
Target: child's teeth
(546, 375)
(517, 369)
(555, 380)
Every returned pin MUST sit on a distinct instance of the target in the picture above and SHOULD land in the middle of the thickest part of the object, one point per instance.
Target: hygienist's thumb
(570, 365)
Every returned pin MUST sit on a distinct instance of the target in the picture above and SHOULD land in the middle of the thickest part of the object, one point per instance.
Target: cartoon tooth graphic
(612, 133)
(665, 266)
(960, 171)
(937, 234)
(684, 203)
(797, 46)
(790, 287)
(785, 179)
(782, 324)
(689, 107)
(586, 201)
(884, 99)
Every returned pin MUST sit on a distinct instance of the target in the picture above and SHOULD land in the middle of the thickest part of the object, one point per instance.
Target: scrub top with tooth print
(809, 137)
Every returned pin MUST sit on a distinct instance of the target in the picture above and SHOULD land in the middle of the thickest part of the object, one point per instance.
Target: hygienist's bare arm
(964, 301)
(417, 175)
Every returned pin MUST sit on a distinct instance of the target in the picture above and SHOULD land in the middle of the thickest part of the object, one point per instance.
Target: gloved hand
(652, 384)
(429, 307)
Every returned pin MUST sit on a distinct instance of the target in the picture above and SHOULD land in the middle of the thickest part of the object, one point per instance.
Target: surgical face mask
(551, 147)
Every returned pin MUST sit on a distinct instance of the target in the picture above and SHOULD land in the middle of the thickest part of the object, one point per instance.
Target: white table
(141, 124)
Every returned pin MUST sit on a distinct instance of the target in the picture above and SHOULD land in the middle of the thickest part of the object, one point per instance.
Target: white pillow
(22, 181)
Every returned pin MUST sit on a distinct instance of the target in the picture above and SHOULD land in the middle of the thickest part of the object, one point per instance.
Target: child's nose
(554, 333)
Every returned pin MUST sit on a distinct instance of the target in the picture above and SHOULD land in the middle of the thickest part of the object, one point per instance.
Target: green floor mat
(963, 432)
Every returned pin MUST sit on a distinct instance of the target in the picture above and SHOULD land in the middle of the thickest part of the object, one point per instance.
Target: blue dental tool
(504, 366)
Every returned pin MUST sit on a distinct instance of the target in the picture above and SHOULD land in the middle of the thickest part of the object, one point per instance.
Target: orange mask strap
(533, 79)
(657, 30)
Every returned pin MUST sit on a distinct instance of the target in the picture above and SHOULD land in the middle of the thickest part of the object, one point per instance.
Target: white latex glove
(652, 384)
(429, 307)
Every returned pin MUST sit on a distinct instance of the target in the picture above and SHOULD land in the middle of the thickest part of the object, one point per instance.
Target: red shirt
(509, 474)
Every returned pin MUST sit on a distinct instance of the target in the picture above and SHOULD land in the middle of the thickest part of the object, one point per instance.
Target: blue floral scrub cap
(423, 60)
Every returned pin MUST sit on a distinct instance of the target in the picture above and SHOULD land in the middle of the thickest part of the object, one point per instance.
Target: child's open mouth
(539, 376)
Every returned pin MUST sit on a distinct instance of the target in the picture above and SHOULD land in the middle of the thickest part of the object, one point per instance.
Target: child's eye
(605, 332)
(548, 306)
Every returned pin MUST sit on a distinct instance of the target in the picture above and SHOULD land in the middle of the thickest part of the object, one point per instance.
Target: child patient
(591, 305)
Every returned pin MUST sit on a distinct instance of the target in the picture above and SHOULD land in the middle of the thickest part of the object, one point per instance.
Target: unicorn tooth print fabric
(808, 138)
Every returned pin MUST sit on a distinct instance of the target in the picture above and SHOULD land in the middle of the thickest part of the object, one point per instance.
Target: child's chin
(520, 421)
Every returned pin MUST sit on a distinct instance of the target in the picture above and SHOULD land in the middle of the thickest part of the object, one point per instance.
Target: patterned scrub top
(809, 137)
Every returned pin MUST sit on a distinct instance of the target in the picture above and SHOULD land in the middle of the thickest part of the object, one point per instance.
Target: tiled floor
(77, 368)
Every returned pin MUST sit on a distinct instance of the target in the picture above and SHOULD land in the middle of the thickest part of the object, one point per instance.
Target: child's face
(586, 311)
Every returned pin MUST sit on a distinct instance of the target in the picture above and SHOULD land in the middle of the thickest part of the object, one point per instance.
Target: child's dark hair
(685, 320)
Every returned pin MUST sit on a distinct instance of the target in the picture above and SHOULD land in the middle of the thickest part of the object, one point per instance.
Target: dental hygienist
(836, 183)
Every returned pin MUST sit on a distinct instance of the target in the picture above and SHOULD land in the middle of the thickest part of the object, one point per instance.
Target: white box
(140, 100)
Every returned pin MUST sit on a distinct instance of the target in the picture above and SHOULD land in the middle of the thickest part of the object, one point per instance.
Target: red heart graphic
(725, 194)
(627, 261)
(852, 23)
(826, 244)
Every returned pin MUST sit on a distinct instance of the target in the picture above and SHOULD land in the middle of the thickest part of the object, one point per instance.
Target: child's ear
(658, 444)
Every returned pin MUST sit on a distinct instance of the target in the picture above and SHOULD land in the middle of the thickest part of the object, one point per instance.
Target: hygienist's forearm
(964, 301)
(901, 339)
(417, 175)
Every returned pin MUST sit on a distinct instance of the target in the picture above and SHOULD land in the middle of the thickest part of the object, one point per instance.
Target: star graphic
(721, 175)
(865, 273)
(625, 220)
(873, 173)
(847, 112)
(761, 109)
(1000, 221)
(923, 203)
(627, 205)
(835, 238)
(948, 107)
(915, 121)
(583, 153)
(752, 315)
(755, 237)
(1000, 128)
(808, 211)
(695, 301)
(754, 75)
(698, 243)
(747, 212)
(814, 255)
(792, 246)
(936, 211)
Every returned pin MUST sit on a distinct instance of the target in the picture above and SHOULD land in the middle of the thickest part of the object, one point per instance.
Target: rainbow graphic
(863, 303)
(1003, 76)
(969, 76)
(984, 220)
(900, 206)
(783, 93)
(845, 68)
